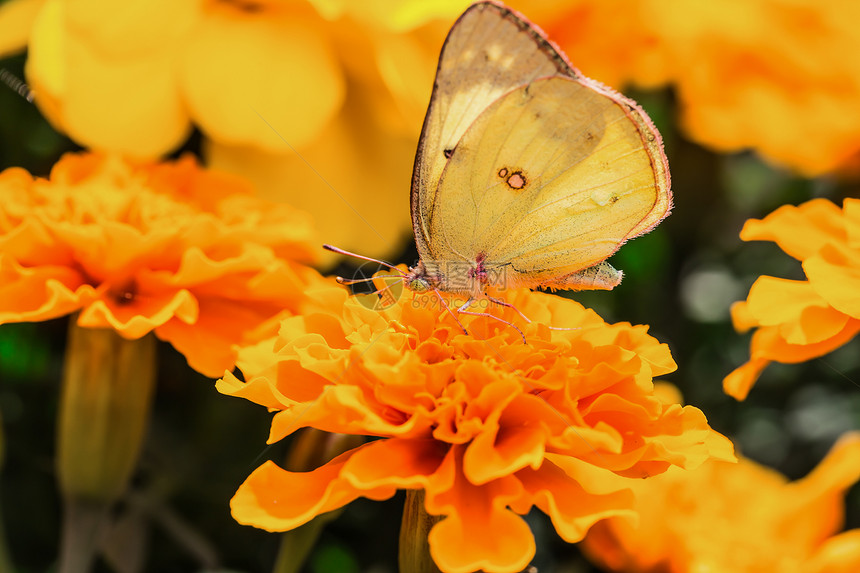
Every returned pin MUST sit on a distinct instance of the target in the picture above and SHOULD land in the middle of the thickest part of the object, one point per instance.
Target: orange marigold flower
(487, 426)
(326, 96)
(736, 518)
(800, 320)
(777, 76)
(163, 247)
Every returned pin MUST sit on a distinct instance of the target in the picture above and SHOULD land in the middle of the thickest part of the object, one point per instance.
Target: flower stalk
(414, 529)
(310, 449)
(104, 406)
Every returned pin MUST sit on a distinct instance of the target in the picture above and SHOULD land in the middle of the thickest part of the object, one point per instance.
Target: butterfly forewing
(489, 52)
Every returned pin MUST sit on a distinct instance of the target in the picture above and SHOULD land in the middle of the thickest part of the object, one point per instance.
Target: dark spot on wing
(515, 178)
(448, 153)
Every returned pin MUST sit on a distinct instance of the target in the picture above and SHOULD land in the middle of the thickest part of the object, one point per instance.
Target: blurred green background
(679, 279)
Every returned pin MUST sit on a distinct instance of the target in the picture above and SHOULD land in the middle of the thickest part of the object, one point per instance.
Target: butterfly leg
(500, 302)
(448, 308)
(468, 303)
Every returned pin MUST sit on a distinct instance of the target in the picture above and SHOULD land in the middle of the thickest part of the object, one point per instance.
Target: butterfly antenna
(17, 85)
(362, 257)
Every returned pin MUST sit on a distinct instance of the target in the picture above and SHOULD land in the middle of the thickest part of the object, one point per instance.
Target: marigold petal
(492, 455)
(259, 391)
(814, 505)
(276, 500)
(283, 101)
(768, 343)
(480, 533)
(209, 342)
(741, 380)
(406, 14)
(742, 319)
(16, 21)
(838, 554)
(799, 231)
(75, 82)
(399, 462)
(142, 316)
(851, 208)
(802, 316)
(836, 278)
(572, 509)
(348, 157)
(39, 293)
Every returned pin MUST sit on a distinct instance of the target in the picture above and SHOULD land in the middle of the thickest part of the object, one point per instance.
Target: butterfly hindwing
(542, 185)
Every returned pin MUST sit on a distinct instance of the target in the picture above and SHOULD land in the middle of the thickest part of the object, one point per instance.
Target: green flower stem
(104, 406)
(5, 557)
(416, 525)
(297, 543)
(310, 449)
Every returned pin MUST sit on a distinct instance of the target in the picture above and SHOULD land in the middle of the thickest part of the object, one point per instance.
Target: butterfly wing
(541, 174)
(488, 52)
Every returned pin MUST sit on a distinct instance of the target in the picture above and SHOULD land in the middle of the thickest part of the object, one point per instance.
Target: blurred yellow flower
(736, 518)
(779, 76)
(152, 247)
(318, 102)
(487, 426)
(796, 321)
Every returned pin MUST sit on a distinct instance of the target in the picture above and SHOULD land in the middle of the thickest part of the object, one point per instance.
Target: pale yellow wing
(489, 51)
(550, 179)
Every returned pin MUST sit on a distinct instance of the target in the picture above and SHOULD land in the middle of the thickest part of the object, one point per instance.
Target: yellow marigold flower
(736, 518)
(777, 76)
(163, 247)
(487, 426)
(800, 320)
(322, 96)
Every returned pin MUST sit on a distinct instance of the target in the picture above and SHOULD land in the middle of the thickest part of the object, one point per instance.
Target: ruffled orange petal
(140, 315)
(571, 507)
(479, 532)
(39, 293)
(741, 380)
(768, 343)
(835, 276)
(801, 315)
(276, 500)
(814, 505)
(851, 208)
(404, 463)
(838, 554)
(799, 231)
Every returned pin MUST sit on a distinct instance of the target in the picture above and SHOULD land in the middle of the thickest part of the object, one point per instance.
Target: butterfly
(527, 174)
